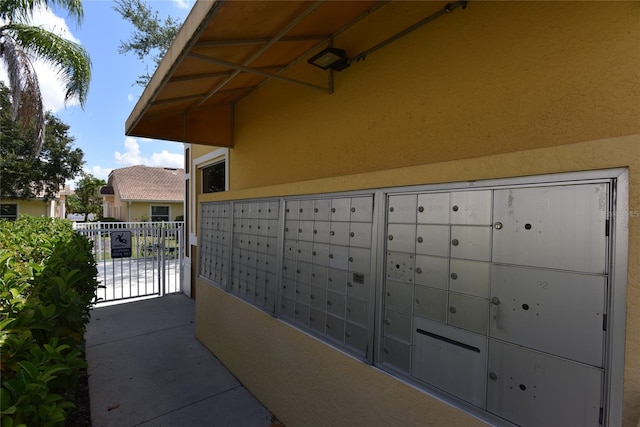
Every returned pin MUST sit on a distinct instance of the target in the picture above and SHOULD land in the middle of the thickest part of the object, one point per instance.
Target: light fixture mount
(330, 58)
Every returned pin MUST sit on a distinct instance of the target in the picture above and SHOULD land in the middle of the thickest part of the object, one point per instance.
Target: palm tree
(20, 43)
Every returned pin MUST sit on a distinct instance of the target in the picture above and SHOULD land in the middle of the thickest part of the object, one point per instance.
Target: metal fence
(151, 263)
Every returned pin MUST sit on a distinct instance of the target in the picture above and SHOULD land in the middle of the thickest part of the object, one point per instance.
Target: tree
(86, 199)
(23, 175)
(21, 43)
(152, 36)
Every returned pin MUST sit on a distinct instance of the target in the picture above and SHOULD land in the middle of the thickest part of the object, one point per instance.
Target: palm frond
(70, 59)
(22, 10)
(27, 106)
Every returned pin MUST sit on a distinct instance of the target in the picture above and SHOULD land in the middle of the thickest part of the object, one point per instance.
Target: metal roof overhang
(226, 49)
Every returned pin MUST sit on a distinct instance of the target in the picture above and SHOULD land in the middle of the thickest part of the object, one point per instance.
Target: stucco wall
(498, 90)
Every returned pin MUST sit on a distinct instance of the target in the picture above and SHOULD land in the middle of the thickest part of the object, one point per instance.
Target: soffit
(190, 97)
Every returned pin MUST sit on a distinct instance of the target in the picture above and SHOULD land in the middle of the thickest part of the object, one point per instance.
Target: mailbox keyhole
(525, 306)
(523, 387)
(527, 226)
(398, 266)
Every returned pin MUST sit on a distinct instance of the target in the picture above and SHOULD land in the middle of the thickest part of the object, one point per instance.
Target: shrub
(48, 281)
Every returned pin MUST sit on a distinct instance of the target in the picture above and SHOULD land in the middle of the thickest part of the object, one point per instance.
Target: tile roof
(144, 183)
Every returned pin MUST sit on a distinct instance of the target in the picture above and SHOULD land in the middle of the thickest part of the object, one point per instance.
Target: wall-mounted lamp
(330, 58)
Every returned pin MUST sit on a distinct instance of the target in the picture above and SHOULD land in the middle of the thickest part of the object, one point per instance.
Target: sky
(98, 129)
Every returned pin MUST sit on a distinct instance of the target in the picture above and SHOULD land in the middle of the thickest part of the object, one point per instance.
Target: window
(9, 211)
(160, 213)
(213, 178)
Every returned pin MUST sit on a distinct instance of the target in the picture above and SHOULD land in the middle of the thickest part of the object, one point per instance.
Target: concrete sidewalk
(146, 368)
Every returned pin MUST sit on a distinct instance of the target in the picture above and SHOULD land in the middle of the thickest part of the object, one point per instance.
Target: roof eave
(193, 127)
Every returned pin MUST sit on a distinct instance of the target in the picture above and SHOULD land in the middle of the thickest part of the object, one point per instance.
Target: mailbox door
(561, 227)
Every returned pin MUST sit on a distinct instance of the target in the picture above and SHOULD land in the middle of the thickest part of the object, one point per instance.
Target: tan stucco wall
(139, 211)
(31, 207)
(498, 90)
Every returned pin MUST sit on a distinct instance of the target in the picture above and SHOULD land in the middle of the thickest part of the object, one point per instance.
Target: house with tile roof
(38, 206)
(144, 193)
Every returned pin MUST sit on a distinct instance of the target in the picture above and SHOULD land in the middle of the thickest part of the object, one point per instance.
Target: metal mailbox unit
(504, 297)
(327, 283)
(502, 294)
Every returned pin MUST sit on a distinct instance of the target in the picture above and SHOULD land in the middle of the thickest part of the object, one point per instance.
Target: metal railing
(154, 266)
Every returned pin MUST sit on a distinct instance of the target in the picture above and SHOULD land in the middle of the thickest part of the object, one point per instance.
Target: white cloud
(99, 172)
(52, 90)
(133, 156)
(183, 4)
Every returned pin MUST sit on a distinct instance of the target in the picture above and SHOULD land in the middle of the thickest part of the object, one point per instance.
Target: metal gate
(154, 266)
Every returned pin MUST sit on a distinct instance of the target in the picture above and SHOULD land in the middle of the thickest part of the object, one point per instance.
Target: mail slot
(450, 359)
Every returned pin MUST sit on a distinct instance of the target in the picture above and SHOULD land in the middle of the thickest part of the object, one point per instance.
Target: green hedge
(48, 282)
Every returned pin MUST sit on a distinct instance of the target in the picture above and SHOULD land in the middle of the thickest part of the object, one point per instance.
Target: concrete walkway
(146, 368)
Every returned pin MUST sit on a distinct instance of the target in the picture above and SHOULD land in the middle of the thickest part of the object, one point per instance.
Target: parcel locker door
(553, 311)
(530, 388)
(559, 227)
(450, 359)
